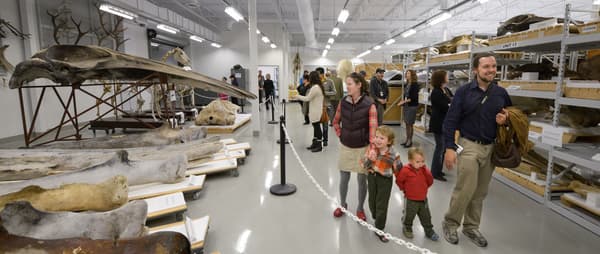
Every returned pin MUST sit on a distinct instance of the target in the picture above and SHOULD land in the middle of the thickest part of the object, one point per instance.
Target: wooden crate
(582, 93)
(527, 35)
(589, 28)
(449, 57)
(535, 85)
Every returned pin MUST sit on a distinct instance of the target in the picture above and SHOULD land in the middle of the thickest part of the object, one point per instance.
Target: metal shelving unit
(542, 45)
(530, 194)
(532, 94)
(576, 216)
(580, 154)
(579, 102)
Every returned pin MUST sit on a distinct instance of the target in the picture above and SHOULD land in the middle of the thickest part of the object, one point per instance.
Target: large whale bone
(22, 219)
(164, 135)
(162, 243)
(137, 172)
(104, 196)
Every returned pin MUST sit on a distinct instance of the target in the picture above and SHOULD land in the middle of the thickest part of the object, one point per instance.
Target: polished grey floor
(246, 218)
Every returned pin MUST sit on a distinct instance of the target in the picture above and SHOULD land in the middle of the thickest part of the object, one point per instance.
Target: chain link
(370, 227)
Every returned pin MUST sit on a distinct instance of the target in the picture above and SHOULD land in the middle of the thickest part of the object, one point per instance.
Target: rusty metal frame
(73, 117)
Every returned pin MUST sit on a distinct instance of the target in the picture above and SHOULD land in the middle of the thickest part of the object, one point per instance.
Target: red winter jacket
(414, 183)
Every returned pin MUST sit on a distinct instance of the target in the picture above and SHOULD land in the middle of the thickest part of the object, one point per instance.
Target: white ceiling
(374, 21)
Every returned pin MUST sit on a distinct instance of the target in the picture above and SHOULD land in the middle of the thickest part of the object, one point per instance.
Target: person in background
(379, 91)
(414, 180)
(261, 81)
(305, 73)
(476, 111)
(410, 104)
(269, 89)
(381, 162)
(302, 89)
(363, 73)
(355, 123)
(441, 97)
(339, 93)
(329, 89)
(315, 100)
(223, 96)
(235, 83)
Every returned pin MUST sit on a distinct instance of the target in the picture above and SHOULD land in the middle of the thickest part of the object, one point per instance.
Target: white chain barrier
(370, 227)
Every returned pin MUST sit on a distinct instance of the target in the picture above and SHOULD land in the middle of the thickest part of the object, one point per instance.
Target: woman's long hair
(412, 75)
(315, 79)
(438, 78)
(359, 79)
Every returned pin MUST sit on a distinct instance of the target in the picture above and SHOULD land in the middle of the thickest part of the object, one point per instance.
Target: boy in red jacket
(414, 179)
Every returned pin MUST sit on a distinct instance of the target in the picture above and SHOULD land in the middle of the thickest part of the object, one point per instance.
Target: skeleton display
(164, 135)
(218, 112)
(22, 219)
(521, 23)
(137, 172)
(182, 90)
(75, 64)
(459, 43)
(161, 242)
(104, 196)
(5, 66)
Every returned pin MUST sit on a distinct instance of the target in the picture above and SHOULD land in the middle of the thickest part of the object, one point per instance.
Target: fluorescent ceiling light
(216, 45)
(265, 39)
(196, 38)
(335, 31)
(409, 33)
(154, 44)
(273, 45)
(330, 41)
(167, 28)
(596, 2)
(364, 54)
(234, 13)
(483, 1)
(377, 47)
(118, 11)
(327, 46)
(324, 53)
(356, 60)
(439, 18)
(344, 14)
(390, 41)
(257, 31)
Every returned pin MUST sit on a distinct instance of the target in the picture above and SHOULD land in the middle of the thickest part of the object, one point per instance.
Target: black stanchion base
(287, 141)
(283, 189)
(273, 122)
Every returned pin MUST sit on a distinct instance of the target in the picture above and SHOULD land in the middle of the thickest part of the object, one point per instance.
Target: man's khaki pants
(474, 174)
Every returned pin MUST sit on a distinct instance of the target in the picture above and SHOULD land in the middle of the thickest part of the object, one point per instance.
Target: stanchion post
(283, 188)
(287, 141)
(272, 112)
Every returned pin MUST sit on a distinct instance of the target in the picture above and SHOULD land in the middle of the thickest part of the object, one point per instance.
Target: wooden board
(236, 154)
(527, 35)
(239, 146)
(240, 120)
(213, 167)
(198, 226)
(370, 68)
(393, 113)
(189, 184)
(533, 85)
(589, 28)
(166, 204)
(568, 135)
(228, 141)
(573, 199)
(537, 186)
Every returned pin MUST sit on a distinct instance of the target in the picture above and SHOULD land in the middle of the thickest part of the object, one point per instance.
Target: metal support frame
(471, 56)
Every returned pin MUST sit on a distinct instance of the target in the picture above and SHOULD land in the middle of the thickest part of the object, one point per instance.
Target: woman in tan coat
(315, 109)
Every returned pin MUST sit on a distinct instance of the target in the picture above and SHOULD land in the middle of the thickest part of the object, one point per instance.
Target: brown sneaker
(476, 237)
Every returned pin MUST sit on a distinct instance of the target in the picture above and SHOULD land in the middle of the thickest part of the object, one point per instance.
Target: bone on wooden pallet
(161, 242)
(105, 196)
(194, 229)
(20, 218)
(136, 172)
(190, 184)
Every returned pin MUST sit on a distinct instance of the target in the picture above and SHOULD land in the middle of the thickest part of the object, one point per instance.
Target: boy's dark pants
(421, 208)
(380, 189)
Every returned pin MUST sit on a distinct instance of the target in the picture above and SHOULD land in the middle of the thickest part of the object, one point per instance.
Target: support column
(253, 67)
(29, 21)
(284, 79)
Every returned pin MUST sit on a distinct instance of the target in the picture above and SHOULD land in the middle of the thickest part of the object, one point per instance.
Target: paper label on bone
(165, 202)
(596, 157)
(552, 136)
(514, 87)
(593, 199)
(197, 180)
(589, 29)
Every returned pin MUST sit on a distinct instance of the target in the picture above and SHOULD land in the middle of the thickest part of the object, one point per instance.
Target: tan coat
(315, 103)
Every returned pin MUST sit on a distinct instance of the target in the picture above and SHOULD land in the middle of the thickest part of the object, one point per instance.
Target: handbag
(506, 157)
(324, 116)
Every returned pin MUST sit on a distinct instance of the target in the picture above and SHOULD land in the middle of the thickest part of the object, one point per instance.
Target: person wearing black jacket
(441, 97)
(302, 89)
(379, 92)
(410, 104)
(269, 88)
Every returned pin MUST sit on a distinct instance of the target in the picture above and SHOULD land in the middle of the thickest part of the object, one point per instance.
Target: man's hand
(502, 117)
(450, 159)
(382, 101)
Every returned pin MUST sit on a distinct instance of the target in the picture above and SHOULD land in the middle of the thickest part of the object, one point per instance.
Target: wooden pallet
(527, 35)
(589, 28)
(191, 184)
(199, 228)
(165, 205)
(573, 200)
(533, 85)
(523, 180)
(589, 90)
(240, 120)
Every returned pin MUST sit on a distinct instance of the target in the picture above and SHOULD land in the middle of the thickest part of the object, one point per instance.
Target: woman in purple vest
(357, 115)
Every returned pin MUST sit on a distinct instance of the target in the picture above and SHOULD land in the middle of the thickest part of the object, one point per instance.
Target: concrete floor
(246, 218)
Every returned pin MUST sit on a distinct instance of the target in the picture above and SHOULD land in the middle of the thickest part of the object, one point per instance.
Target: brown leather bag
(324, 116)
(506, 157)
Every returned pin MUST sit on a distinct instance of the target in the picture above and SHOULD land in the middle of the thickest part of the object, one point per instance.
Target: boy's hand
(372, 155)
